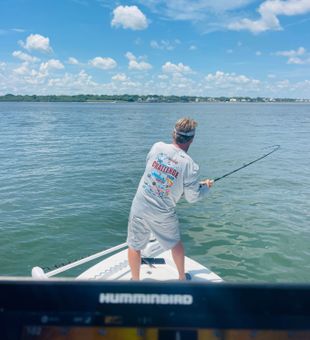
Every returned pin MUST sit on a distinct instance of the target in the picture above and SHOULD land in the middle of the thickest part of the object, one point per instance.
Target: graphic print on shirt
(162, 176)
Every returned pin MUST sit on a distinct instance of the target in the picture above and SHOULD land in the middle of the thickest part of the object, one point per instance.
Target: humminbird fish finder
(62, 309)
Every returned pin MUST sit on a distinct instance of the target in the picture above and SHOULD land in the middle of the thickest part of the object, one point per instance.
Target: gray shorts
(140, 229)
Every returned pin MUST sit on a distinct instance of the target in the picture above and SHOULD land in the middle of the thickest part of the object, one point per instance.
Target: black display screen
(144, 310)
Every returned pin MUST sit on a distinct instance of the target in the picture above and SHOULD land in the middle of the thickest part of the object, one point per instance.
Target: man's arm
(195, 190)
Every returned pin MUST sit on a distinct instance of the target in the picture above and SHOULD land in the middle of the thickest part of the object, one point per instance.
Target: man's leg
(178, 258)
(134, 260)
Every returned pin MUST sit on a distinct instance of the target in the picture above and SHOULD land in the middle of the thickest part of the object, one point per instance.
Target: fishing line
(275, 148)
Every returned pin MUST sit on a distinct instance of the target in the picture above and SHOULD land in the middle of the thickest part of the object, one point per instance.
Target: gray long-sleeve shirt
(170, 173)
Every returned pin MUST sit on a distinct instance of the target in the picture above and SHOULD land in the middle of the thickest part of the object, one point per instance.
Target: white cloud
(283, 84)
(140, 66)
(164, 44)
(120, 77)
(155, 44)
(103, 63)
(134, 64)
(25, 57)
(130, 56)
(195, 11)
(163, 77)
(169, 67)
(2, 65)
(302, 87)
(37, 42)
(29, 80)
(18, 30)
(299, 56)
(193, 48)
(129, 17)
(298, 61)
(258, 53)
(208, 16)
(269, 11)
(52, 64)
(292, 53)
(175, 83)
(22, 70)
(70, 83)
(38, 75)
(73, 61)
(295, 60)
(226, 80)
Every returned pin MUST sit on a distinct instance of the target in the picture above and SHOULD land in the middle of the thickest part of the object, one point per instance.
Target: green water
(69, 171)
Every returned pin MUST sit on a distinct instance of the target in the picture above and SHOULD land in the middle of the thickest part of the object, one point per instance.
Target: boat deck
(157, 265)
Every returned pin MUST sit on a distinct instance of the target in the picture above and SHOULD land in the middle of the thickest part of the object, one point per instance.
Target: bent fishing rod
(275, 148)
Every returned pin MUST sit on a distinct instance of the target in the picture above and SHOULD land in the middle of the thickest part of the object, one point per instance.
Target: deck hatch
(153, 260)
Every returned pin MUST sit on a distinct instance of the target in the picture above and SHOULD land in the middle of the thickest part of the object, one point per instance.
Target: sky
(174, 47)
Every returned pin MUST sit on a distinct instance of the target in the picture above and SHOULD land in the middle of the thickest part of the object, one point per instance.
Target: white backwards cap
(190, 133)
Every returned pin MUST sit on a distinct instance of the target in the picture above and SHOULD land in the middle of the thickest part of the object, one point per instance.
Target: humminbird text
(152, 299)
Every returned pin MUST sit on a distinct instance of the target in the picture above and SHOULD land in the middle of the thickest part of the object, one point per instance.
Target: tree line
(133, 98)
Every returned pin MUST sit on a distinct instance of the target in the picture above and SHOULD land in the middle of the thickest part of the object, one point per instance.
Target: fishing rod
(275, 148)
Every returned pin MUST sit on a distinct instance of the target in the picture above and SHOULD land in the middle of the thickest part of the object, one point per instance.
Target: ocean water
(69, 171)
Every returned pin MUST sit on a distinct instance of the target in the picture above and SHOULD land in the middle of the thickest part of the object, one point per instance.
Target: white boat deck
(157, 266)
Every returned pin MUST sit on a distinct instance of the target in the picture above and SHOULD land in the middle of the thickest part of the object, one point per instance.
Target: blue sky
(203, 47)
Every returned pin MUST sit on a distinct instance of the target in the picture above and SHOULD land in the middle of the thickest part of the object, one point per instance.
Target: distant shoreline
(144, 99)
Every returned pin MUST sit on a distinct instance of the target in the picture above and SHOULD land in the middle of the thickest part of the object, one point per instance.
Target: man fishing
(170, 173)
